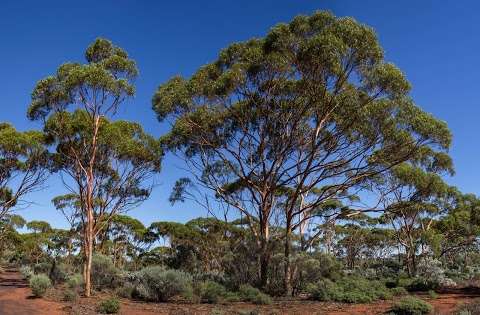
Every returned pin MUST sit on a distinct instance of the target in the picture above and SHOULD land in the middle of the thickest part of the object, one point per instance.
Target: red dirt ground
(16, 299)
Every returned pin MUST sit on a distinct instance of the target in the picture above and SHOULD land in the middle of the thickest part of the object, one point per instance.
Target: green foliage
(157, 284)
(39, 284)
(422, 284)
(75, 281)
(23, 157)
(254, 295)
(349, 289)
(411, 306)
(70, 295)
(472, 308)
(398, 291)
(104, 273)
(109, 306)
(26, 272)
(432, 294)
(210, 291)
(315, 89)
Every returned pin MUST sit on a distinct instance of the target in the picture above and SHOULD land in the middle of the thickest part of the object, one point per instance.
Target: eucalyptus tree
(122, 239)
(416, 197)
(106, 164)
(457, 232)
(23, 166)
(312, 106)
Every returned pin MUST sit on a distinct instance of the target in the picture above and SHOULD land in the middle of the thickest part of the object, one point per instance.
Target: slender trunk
(89, 253)
(264, 253)
(89, 207)
(288, 267)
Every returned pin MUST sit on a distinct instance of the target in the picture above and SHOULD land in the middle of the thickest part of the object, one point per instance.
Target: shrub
(75, 281)
(39, 284)
(422, 284)
(26, 272)
(254, 295)
(157, 284)
(350, 290)
(232, 297)
(432, 294)
(432, 269)
(325, 290)
(43, 267)
(125, 291)
(104, 273)
(398, 291)
(70, 295)
(109, 306)
(472, 308)
(58, 273)
(411, 306)
(210, 291)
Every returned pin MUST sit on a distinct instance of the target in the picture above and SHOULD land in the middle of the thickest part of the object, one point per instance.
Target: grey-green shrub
(210, 291)
(411, 306)
(43, 267)
(26, 272)
(125, 291)
(472, 308)
(351, 289)
(254, 295)
(398, 291)
(109, 306)
(70, 295)
(75, 281)
(59, 273)
(104, 273)
(154, 283)
(39, 284)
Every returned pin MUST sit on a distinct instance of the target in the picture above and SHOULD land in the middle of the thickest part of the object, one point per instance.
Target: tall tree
(107, 162)
(415, 198)
(23, 166)
(312, 106)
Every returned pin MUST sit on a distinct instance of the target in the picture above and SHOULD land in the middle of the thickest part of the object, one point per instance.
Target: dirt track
(16, 298)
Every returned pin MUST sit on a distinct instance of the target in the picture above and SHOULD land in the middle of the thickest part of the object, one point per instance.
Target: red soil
(16, 298)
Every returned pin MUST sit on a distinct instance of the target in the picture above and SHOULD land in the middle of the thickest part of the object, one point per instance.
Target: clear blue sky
(436, 44)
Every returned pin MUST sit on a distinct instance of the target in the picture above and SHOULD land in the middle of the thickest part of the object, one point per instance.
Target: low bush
(398, 291)
(75, 281)
(232, 297)
(254, 295)
(104, 273)
(59, 273)
(39, 284)
(27, 272)
(70, 295)
(472, 308)
(125, 291)
(422, 284)
(411, 306)
(43, 267)
(432, 294)
(109, 306)
(350, 290)
(157, 284)
(210, 291)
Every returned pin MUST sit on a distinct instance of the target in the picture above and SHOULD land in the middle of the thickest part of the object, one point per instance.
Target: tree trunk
(88, 252)
(288, 268)
(264, 254)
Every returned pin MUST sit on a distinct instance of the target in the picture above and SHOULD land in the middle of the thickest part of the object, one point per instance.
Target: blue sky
(436, 46)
